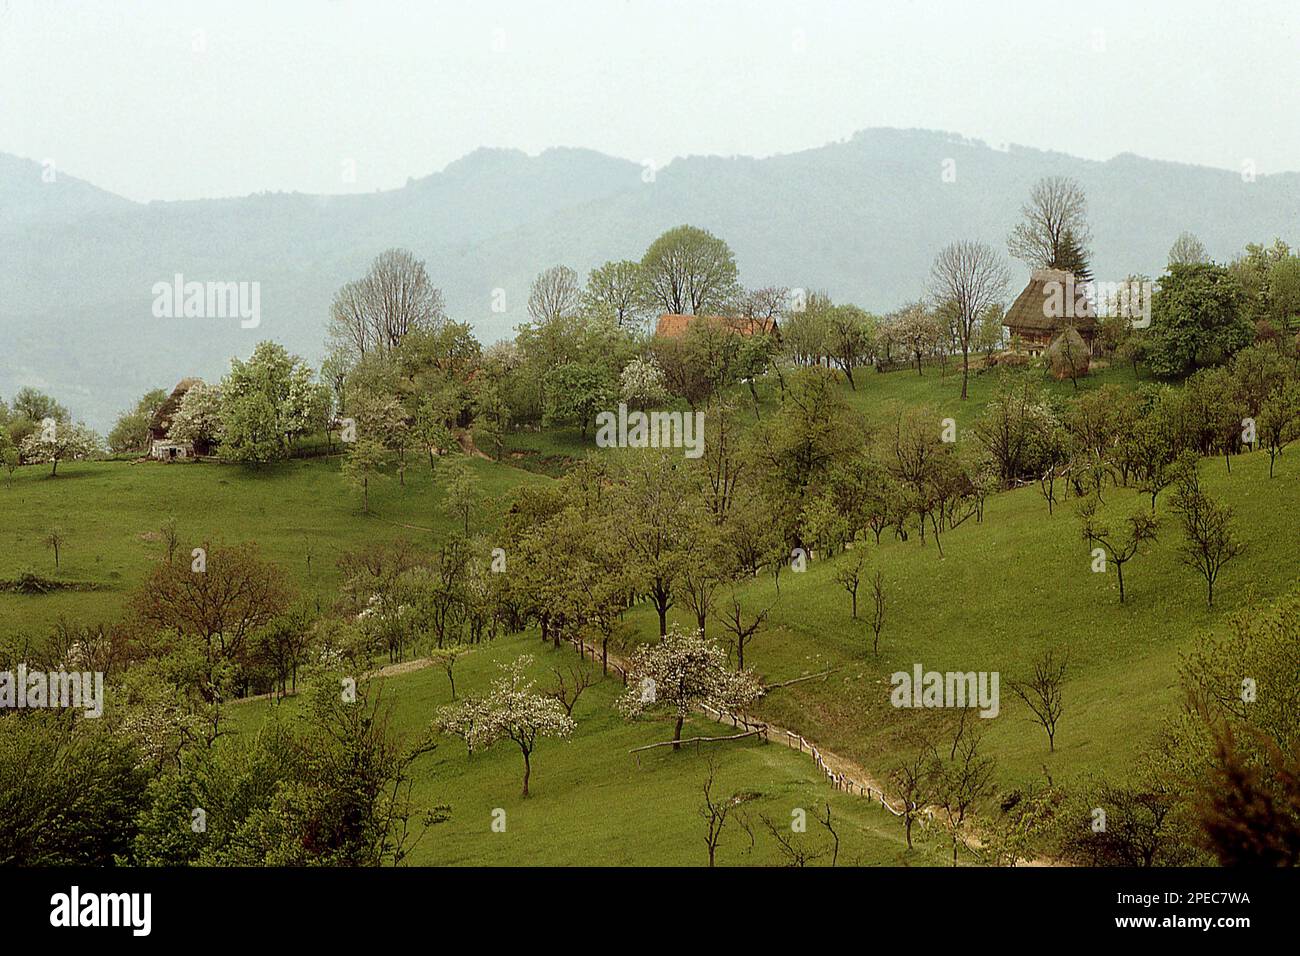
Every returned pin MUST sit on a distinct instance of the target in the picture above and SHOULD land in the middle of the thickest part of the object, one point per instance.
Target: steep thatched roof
(161, 423)
(1049, 303)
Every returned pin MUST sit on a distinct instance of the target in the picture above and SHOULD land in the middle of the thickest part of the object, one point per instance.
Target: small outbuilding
(161, 445)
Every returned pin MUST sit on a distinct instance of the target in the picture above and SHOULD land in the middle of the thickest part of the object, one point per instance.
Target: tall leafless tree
(555, 294)
(1042, 692)
(971, 278)
(1054, 217)
(395, 298)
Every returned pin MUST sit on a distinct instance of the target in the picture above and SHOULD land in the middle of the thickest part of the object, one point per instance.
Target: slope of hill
(861, 219)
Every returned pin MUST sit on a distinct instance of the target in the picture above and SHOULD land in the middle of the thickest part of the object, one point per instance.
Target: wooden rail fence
(840, 781)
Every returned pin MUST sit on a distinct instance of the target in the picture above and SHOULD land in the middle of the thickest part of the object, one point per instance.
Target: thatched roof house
(1050, 303)
(161, 444)
(674, 325)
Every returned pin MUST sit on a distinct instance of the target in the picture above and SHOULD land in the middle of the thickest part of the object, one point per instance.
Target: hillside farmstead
(161, 445)
(1050, 303)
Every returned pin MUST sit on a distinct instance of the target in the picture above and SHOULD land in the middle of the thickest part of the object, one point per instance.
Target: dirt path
(388, 670)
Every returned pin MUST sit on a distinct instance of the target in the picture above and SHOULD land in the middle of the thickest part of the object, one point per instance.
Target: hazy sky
(173, 99)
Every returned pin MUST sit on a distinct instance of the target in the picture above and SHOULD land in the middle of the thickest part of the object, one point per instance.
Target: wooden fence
(839, 781)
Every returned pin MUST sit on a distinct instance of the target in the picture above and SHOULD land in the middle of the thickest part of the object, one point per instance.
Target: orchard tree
(1119, 549)
(447, 657)
(198, 419)
(54, 539)
(1209, 540)
(655, 502)
(514, 710)
(266, 403)
(849, 338)
(35, 406)
(211, 608)
(742, 631)
(918, 330)
(8, 454)
(575, 392)
(682, 673)
(642, 383)
(463, 494)
(54, 441)
(1187, 250)
(1279, 421)
(363, 464)
(1197, 320)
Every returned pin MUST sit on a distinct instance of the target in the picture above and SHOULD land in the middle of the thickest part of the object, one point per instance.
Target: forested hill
(861, 219)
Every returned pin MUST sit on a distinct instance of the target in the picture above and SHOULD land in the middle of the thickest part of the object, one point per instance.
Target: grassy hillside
(301, 514)
(593, 803)
(1003, 591)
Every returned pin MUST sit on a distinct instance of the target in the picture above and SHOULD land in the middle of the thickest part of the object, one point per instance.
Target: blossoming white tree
(513, 710)
(54, 442)
(642, 383)
(684, 671)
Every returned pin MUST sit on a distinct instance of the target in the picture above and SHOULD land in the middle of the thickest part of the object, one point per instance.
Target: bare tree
(835, 837)
(742, 633)
(55, 539)
(1209, 542)
(960, 783)
(914, 782)
(878, 610)
(395, 298)
(715, 813)
(1054, 219)
(1141, 528)
(568, 692)
(848, 575)
(970, 277)
(555, 294)
(795, 852)
(761, 307)
(170, 537)
(1042, 692)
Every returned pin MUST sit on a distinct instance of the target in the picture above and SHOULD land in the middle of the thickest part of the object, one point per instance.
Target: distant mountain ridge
(861, 219)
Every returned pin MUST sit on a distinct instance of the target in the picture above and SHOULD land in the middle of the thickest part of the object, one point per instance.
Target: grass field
(301, 514)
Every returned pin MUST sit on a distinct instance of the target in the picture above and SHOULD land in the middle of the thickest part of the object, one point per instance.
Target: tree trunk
(677, 733)
(528, 769)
